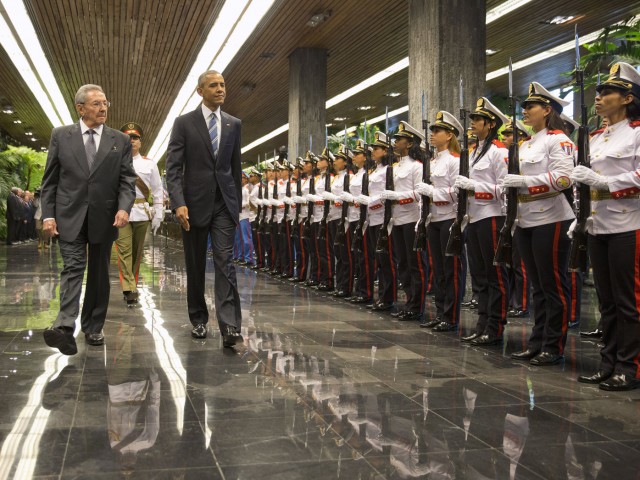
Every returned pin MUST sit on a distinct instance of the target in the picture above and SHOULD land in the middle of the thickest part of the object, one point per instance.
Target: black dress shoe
(518, 314)
(471, 337)
(342, 294)
(486, 340)
(131, 298)
(199, 331)
(296, 280)
(62, 339)
(526, 355)
(325, 287)
(310, 283)
(398, 313)
(411, 316)
(597, 333)
(597, 377)
(382, 306)
(431, 323)
(546, 358)
(360, 299)
(620, 382)
(445, 327)
(230, 336)
(94, 339)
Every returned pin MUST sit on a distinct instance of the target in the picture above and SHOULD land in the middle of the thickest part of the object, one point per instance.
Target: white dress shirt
(206, 112)
(96, 136)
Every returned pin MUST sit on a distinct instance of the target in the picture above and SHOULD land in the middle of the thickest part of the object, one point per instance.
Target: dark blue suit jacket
(193, 173)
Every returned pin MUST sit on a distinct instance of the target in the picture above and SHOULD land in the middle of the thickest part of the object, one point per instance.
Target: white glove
(346, 197)
(299, 199)
(288, 200)
(329, 196)
(511, 180)
(425, 189)
(574, 224)
(156, 221)
(587, 176)
(389, 195)
(159, 211)
(464, 183)
(363, 199)
(314, 198)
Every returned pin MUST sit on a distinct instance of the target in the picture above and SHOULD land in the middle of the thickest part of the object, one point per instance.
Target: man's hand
(182, 214)
(50, 228)
(122, 218)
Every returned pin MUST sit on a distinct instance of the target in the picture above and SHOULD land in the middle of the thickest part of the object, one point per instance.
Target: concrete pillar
(307, 100)
(447, 39)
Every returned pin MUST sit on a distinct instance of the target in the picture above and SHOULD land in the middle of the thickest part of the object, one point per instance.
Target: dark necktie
(90, 148)
(213, 133)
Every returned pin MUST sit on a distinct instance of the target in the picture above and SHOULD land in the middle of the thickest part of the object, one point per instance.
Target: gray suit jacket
(71, 193)
(194, 173)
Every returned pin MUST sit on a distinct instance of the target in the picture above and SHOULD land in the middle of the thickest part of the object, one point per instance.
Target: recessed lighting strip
(40, 81)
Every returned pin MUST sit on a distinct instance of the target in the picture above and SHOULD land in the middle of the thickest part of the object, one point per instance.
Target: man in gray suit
(88, 189)
(203, 179)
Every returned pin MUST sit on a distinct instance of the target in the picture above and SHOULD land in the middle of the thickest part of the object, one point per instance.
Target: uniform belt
(321, 202)
(599, 195)
(525, 198)
(404, 201)
(140, 200)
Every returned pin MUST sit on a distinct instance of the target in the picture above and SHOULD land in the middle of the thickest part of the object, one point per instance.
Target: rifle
(306, 231)
(259, 209)
(578, 257)
(344, 215)
(358, 235)
(503, 254)
(296, 220)
(322, 231)
(420, 240)
(455, 242)
(286, 205)
(382, 242)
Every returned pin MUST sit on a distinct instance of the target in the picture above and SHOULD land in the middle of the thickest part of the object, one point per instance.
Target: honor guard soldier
(614, 226)
(323, 240)
(307, 212)
(285, 204)
(382, 156)
(445, 166)
(488, 166)
(344, 269)
(519, 284)
(362, 255)
(147, 208)
(268, 205)
(412, 266)
(544, 216)
(294, 219)
(255, 180)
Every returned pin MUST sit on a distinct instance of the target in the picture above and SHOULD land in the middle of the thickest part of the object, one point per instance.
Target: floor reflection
(319, 389)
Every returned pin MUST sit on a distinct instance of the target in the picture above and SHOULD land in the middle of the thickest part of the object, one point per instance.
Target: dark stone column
(447, 39)
(307, 100)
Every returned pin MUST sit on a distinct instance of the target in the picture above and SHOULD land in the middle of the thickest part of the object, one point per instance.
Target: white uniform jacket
(147, 170)
(445, 166)
(488, 173)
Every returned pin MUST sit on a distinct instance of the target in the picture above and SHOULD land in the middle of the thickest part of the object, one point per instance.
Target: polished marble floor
(320, 389)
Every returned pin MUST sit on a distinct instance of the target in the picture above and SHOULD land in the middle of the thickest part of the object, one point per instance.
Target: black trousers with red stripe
(519, 284)
(314, 254)
(345, 269)
(364, 262)
(301, 248)
(324, 249)
(545, 251)
(615, 259)
(285, 248)
(412, 267)
(273, 242)
(493, 288)
(447, 273)
(386, 267)
(265, 240)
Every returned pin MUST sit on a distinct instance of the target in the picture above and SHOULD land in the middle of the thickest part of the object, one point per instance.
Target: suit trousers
(545, 251)
(76, 256)
(493, 295)
(447, 273)
(615, 259)
(227, 301)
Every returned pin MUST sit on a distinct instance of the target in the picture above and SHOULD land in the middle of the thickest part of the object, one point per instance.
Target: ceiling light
(34, 139)
(340, 119)
(8, 109)
(504, 8)
(28, 132)
(318, 18)
(392, 94)
(17, 121)
(44, 149)
(491, 51)
(365, 108)
(41, 82)
(559, 20)
(233, 26)
(329, 125)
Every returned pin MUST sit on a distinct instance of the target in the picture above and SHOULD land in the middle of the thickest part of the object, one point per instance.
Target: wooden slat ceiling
(140, 51)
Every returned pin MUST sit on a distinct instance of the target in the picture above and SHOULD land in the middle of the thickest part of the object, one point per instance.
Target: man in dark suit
(88, 189)
(203, 179)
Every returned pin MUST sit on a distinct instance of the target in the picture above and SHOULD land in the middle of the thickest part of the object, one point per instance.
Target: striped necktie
(213, 133)
(90, 148)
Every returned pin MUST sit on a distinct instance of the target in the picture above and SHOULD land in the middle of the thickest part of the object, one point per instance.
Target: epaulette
(596, 132)
(634, 124)
(419, 161)
(454, 154)
(145, 158)
(499, 144)
(555, 132)
(395, 164)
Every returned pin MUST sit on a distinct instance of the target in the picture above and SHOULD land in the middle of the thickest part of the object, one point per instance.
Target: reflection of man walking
(87, 191)
(203, 179)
